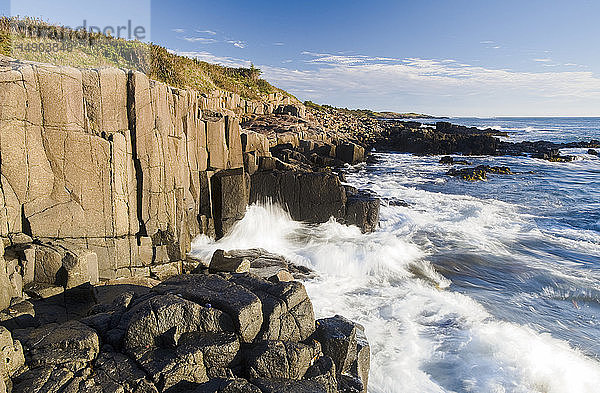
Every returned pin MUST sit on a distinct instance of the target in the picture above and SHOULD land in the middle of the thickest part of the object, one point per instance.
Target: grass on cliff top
(35, 40)
(366, 112)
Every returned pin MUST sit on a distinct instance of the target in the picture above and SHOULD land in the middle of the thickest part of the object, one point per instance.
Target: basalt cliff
(106, 178)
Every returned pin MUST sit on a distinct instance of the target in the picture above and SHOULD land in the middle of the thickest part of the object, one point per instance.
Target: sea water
(488, 286)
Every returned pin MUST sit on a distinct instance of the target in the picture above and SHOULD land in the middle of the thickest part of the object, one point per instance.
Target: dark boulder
(112, 372)
(449, 160)
(242, 306)
(223, 261)
(287, 311)
(350, 153)
(308, 196)
(345, 343)
(337, 336)
(268, 265)
(172, 368)
(362, 210)
(281, 360)
(45, 379)
(323, 372)
(71, 345)
(161, 320)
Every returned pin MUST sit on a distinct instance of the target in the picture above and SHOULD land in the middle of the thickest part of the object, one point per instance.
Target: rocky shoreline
(237, 324)
(107, 177)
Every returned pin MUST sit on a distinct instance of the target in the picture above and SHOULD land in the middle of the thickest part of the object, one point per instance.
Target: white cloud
(544, 60)
(438, 86)
(179, 30)
(427, 84)
(325, 58)
(278, 43)
(237, 44)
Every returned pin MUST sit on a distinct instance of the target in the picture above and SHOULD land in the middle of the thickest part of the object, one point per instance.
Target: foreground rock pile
(202, 332)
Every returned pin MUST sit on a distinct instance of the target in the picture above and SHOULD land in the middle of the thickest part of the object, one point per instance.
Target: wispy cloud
(209, 37)
(278, 43)
(324, 58)
(443, 86)
(200, 40)
(237, 44)
(376, 80)
(210, 32)
(544, 60)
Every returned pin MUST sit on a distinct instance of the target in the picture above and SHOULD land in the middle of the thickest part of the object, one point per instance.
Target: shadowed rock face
(316, 197)
(227, 332)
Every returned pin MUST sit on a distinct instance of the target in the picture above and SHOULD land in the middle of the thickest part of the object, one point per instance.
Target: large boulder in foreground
(226, 332)
(287, 310)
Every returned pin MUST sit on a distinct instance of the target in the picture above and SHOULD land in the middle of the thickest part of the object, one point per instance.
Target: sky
(441, 57)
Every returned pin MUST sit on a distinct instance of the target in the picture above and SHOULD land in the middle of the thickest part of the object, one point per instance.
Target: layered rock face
(226, 332)
(108, 161)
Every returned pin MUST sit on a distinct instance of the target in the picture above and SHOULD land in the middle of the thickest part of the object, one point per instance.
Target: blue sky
(452, 57)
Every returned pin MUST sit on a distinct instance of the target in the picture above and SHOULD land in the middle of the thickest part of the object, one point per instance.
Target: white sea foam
(424, 338)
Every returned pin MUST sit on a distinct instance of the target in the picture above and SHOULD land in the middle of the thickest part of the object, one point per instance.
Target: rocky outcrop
(445, 138)
(226, 332)
(106, 174)
(411, 138)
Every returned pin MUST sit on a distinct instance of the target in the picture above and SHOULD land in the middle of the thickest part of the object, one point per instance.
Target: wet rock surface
(225, 332)
(479, 172)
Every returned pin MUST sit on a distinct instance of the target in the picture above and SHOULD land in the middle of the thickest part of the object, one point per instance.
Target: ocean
(487, 286)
